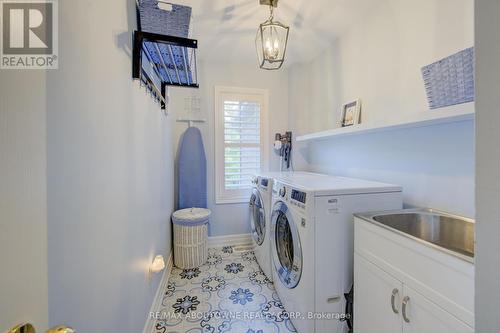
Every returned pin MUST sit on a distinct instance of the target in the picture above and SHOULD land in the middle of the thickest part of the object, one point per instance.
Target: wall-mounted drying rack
(190, 121)
(162, 60)
(152, 88)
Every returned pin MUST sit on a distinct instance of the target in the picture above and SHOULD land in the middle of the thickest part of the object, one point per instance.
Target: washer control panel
(299, 196)
(282, 191)
(295, 197)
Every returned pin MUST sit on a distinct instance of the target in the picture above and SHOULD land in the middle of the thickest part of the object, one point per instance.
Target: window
(240, 141)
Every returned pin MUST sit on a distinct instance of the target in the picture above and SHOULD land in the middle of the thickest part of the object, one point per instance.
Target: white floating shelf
(451, 114)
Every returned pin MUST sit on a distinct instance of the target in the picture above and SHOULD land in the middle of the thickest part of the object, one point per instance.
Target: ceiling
(226, 29)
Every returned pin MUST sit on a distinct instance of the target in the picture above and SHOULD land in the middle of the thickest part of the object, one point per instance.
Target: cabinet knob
(395, 292)
(406, 299)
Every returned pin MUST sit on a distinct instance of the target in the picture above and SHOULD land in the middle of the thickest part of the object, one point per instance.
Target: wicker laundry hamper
(190, 237)
(173, 21)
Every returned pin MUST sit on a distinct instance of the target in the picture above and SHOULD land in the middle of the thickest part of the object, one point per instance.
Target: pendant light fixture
(271, 40)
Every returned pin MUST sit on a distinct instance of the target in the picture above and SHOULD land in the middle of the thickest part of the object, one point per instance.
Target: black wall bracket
(172, 62)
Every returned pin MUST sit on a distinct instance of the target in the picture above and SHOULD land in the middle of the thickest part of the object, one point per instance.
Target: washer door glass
(287, 252)
(257, 217)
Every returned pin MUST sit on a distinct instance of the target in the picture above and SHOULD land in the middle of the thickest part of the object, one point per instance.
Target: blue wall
(110, 175)
(435, 165)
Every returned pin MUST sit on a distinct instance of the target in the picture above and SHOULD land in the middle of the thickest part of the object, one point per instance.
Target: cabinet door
(425, 316)
(373, 290)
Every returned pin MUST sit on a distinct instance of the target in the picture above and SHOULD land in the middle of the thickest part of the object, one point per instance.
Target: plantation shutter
(242, 142)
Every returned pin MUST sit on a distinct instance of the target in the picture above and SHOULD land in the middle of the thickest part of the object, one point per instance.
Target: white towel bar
(190, 121)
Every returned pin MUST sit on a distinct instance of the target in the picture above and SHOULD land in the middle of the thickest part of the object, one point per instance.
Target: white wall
(230, 219)
(379, 61)
(110, 174)
(23, 197)
(488, 164)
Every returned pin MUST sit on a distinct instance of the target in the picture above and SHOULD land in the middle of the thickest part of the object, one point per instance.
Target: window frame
(223, 196)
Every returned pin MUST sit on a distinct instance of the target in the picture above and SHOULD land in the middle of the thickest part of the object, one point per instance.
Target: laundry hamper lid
(191, 216)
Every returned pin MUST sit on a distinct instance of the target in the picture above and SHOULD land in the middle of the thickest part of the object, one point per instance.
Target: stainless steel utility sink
(455, 234)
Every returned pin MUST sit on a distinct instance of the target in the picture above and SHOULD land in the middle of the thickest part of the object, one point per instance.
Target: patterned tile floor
(230, 293)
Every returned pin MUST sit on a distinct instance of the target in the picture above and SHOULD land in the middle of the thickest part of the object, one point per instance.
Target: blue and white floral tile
(242, 296)
(229, 293)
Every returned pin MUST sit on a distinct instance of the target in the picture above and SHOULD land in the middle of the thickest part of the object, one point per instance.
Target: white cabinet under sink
(404, 286)
(425, 316)
(372, 295)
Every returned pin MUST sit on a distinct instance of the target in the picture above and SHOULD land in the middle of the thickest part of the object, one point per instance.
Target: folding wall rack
(162, 60)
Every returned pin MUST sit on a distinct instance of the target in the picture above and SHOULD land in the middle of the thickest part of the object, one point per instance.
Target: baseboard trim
(149, 325)
(232, 240)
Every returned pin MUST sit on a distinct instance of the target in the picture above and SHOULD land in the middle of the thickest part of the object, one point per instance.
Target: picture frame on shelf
(351, 113)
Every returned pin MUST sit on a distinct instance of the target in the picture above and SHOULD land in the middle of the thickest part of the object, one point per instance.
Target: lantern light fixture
(271, 40)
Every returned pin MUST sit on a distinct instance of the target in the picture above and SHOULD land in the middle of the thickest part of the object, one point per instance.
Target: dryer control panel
(264, 182)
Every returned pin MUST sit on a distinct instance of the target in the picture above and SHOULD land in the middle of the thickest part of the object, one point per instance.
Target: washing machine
(260, 215)
(312, 244)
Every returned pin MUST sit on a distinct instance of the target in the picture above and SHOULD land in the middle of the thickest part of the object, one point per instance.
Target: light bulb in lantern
(272, 49)
(269, 48)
